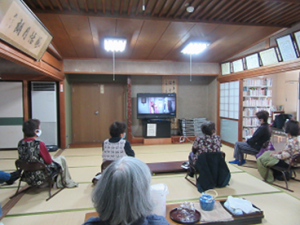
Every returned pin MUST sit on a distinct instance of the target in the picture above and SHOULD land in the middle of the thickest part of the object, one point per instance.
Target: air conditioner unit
(44, 108)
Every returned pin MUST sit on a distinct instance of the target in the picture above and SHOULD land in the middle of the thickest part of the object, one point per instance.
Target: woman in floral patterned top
(281, 158)
(209, 142)
(292, 146)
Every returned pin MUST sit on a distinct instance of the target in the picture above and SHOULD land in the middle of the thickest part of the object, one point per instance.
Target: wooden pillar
(25, 101)
(129, 109)
(62, 115)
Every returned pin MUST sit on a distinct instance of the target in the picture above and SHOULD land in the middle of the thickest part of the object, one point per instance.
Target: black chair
(35, 166)
(193, 170)
(290, 170)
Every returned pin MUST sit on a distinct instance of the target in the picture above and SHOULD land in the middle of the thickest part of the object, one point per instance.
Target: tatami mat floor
(71, 205)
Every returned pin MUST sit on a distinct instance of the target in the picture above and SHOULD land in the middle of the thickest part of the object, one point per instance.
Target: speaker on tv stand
(156, 128)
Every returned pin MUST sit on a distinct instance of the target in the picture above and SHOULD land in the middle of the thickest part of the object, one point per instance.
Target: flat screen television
(156, 105)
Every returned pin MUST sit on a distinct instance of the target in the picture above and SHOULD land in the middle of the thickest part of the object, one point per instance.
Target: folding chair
(105, 164)
(35, 166)
(193, 170)
(290, 170)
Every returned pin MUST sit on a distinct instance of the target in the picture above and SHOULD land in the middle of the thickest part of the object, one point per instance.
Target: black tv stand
(163, 128)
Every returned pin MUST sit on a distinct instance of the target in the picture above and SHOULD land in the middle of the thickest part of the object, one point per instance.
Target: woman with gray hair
(122, 195)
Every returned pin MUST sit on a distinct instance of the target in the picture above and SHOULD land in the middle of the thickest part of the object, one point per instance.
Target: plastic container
(207, 201)
(158, 196)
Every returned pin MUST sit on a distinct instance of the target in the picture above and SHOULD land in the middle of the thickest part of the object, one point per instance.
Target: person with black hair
(31, 149)
(281, 158)
(254, 144)
(209, 142)
(116, 147)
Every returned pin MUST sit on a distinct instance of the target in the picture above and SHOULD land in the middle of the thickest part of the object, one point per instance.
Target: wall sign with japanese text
(20, 28)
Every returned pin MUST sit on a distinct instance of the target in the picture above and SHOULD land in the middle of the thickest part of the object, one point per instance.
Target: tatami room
(251, 63)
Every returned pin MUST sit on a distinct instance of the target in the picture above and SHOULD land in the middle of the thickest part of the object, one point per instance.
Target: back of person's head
(292, 127)
(263, 115)
(208, 128)
(122, 194)
(30, 126)
(117, 128)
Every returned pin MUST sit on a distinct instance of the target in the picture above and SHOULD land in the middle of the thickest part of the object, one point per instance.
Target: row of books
(250, 121)
(256, 91)
(258, 82)
(257, 102)
(248, 132)
(253, 111)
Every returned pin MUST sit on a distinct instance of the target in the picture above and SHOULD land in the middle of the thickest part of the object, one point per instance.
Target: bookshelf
(257, 96)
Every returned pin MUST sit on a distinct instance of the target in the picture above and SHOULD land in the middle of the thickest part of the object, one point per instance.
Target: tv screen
(156, 105)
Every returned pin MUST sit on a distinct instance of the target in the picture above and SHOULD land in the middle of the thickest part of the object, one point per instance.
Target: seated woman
(209, 142)
(122, 195)
(32, 150)
(255, 143)
(281, 158)
(116, 147)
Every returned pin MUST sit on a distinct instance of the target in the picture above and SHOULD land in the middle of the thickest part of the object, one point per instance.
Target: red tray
(174, 215)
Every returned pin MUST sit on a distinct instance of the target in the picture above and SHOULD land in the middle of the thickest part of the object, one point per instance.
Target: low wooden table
(166, 167)
(254, 218)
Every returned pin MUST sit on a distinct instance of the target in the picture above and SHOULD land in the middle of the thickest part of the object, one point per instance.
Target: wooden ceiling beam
(204, 7)
(214, 9)
(112, 7)
(103, 6)
(292, 14)
(162, 9)
(170, 10)
(95, 6)
(178, 10)
(121, 7)
(153, 10)
(259, 16)
(249, 10)
(41, 4)
(138, 6)
(278, 18)
(32, 5)
(50, 5)
(197, 8)
(231, 11)
(68, 4)
(185, 12)
(129, 7)
(59, 5)
(77, 5)
(86, 6)
(27, 77)
(140, 17)
(147, 5)
(227, 6)
(239, 11)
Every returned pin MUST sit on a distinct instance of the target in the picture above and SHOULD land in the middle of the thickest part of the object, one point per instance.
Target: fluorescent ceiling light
(114, 44)
(194, 48)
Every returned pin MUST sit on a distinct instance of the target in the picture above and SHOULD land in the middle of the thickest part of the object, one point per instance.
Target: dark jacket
(213, 171)
(260, 136)
(149, 220)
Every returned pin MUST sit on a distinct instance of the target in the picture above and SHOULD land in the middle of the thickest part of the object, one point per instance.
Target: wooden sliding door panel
(112, 107)
(95, 106)
(85, 112)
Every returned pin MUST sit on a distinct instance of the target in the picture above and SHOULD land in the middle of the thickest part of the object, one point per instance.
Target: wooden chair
(105, 164)
(193, 170)
(34, 166)
(290, 170)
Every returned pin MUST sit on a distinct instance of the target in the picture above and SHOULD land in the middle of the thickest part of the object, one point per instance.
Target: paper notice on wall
(151, 129)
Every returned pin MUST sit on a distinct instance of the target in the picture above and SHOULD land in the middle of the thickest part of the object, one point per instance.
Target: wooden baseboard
(85, 145)
(157, 141)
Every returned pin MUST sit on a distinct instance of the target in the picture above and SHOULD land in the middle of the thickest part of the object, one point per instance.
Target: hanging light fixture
(114, 45)
(194, 48)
